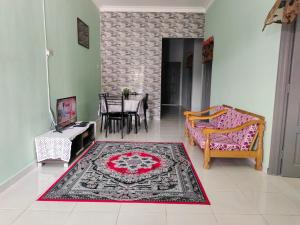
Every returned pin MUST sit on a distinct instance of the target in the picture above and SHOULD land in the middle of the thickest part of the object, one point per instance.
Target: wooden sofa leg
(260, 147)
(207, 155)
(186, 132)
(258, 164)
(207, 163)
(258, 159)
(191, 139)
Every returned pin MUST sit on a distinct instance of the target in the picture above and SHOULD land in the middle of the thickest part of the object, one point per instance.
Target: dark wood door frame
(280, 106)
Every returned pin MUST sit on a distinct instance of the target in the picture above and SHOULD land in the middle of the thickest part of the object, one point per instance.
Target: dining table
(132, 104)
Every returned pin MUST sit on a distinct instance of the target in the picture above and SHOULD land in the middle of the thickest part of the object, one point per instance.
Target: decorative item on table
(126, 93)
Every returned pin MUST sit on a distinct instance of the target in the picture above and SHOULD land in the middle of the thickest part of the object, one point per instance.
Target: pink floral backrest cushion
(233, 119)
(216, 121)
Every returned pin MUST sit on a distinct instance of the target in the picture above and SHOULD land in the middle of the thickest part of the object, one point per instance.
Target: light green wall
(245, 58)
(23, 96)
(73, 68)
(23, 88)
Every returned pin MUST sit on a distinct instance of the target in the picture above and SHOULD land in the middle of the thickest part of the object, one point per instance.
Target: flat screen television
(66, 112)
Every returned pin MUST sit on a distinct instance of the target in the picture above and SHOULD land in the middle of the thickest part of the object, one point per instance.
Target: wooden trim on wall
(106, 8)
(280, 105)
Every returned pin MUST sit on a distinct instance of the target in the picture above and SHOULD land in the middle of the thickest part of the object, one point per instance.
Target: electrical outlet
(49, 52)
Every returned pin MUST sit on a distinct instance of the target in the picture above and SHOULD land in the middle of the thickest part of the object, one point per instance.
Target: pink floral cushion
(218, 142)
(233, 119)
(249, 135)
(216, 121)
(199, 124)
(195, 130)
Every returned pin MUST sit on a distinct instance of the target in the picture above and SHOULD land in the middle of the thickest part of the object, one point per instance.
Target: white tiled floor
(239, 194)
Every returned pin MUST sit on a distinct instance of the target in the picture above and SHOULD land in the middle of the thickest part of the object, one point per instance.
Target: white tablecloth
(55, 145)
(130, 105)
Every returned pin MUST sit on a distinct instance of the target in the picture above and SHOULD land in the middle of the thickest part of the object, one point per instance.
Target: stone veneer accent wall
(131, 49)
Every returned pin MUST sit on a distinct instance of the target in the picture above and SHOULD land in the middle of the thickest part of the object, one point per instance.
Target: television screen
(66, 111)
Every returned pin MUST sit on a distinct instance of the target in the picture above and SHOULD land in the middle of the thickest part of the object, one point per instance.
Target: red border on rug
(207, 202)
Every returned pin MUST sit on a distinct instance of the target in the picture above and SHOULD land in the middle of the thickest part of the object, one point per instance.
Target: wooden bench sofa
(226, 132)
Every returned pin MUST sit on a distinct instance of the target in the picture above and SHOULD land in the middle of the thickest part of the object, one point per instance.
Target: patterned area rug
(130, 172)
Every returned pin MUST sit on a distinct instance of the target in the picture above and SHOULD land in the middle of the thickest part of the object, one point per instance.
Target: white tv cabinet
(65, 146)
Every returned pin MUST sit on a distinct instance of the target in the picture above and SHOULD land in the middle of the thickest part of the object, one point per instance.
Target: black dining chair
(102, 110)
(145, 108)
(136, 116)
(115, 118)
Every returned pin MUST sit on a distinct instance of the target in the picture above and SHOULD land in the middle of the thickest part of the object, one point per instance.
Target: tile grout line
(214, 214)
(118, 214)
(166, 214)
(69, 214)
(22, 213)
(263, 216)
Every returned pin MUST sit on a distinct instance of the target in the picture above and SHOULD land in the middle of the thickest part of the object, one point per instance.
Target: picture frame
(83, 33)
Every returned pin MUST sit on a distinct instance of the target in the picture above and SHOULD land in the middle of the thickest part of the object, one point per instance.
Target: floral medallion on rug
(130, 172)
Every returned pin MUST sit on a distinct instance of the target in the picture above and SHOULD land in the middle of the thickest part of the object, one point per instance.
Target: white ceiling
(154, 5)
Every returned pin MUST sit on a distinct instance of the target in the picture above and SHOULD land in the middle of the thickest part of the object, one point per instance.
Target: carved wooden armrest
(208, 131)
(192, 119)
(212, 116)
(189, 113)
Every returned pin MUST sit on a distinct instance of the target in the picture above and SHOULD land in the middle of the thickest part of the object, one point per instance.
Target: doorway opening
(183, 85)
